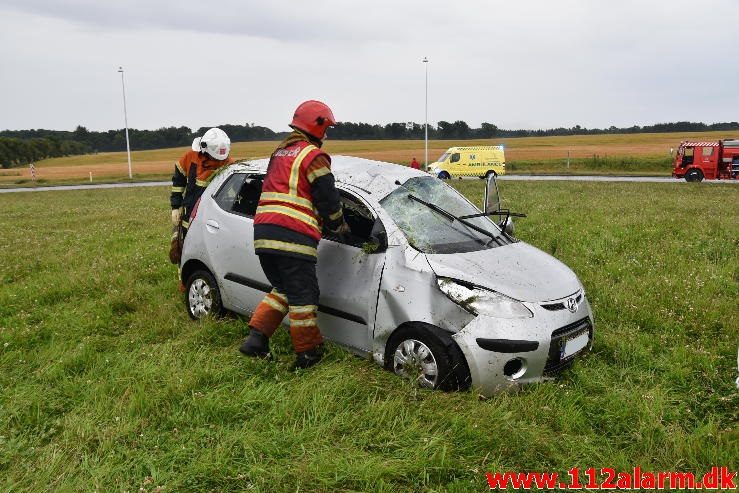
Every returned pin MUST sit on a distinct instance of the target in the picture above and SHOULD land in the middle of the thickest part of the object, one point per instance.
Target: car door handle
(210, 223)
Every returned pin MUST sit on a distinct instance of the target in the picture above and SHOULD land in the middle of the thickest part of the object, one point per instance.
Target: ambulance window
(455, 157)
(443, 157)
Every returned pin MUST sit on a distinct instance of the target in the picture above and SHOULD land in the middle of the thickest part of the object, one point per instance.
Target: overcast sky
(518, 64)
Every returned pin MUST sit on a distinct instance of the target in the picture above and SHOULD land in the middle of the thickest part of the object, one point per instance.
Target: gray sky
(518, 64)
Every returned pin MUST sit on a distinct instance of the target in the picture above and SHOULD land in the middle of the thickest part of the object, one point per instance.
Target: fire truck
(711, 160)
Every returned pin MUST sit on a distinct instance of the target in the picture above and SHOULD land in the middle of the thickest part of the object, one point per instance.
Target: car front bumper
(503, 353)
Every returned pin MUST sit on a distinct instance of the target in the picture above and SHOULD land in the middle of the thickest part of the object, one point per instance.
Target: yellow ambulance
(469, 161)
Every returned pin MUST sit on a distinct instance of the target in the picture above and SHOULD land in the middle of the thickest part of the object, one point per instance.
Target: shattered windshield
(429, 231)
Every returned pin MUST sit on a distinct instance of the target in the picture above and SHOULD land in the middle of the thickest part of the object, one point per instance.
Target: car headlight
(481, 301)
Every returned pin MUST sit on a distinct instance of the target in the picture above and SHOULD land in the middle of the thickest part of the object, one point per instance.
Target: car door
(230, 239)
(349, 272)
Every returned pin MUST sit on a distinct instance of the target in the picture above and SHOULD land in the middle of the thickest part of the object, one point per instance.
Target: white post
(90, 176)
(125, 119)
(426, 124)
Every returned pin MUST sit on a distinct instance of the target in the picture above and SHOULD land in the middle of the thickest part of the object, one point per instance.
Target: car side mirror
(508, 226)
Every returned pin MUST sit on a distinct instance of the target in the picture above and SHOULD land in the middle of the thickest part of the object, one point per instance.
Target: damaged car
(427, 285)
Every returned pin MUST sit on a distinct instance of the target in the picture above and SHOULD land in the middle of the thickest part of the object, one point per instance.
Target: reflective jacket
(298, 199)
(192, 173)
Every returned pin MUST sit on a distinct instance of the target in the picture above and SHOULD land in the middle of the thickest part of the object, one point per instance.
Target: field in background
(647, 154)
(106, 385)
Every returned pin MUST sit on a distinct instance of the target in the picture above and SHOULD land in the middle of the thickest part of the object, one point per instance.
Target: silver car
(426, 284)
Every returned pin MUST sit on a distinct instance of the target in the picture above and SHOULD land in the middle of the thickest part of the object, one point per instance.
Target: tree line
(20, 147)
(16, 152)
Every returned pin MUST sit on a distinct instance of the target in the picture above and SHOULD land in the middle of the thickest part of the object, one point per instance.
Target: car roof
(377, 177)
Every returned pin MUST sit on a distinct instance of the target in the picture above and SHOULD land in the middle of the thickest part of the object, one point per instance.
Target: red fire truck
(711, 160)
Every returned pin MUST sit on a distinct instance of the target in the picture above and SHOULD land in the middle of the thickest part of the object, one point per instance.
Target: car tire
(443, 175)
(202, 296)
(427, 355)
(694, 175)
(490, 172)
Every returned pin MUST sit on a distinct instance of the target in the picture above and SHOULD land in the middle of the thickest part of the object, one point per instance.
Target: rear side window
(240, 194)
(226, 196)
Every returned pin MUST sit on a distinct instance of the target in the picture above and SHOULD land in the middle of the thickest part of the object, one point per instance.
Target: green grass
(106, 385)
(596, 165)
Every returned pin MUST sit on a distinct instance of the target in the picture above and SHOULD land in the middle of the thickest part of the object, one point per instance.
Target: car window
(455, 157)
(228, 192)
(427, 230)
(359, 218)
(443, 157)
(240, 194)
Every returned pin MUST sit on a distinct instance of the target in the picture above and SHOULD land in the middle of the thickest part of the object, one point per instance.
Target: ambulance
(479, 161)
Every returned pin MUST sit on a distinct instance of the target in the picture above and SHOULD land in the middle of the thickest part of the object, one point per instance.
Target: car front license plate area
(567, 342)
(574, 344)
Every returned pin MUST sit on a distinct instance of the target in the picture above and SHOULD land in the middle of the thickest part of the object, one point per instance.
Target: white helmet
(214, 142)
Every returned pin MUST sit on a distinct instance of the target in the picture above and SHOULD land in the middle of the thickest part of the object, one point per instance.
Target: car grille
(554, 363)
(553, 307)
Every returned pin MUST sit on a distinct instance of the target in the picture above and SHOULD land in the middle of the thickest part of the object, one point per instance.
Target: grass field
(646, 154)
(106, 385)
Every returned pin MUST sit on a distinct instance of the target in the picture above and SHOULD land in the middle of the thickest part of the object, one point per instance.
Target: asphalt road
(633, 179)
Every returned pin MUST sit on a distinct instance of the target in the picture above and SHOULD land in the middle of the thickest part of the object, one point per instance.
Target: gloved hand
(343, 230)
(176, 215)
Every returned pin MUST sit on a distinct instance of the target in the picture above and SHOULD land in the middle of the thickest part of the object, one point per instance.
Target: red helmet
(313, 117)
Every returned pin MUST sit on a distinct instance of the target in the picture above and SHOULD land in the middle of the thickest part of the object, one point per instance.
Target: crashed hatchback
(426, 284)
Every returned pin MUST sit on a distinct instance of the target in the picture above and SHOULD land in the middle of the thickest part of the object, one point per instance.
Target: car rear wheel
(444, 175)
(428, 356)
(202, 296)
(487, 175)
(694, 175)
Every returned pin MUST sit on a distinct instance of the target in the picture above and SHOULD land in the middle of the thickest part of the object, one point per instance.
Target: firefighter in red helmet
(298, 200)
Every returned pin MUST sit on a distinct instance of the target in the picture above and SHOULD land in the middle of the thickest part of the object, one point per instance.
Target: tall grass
(106, 385)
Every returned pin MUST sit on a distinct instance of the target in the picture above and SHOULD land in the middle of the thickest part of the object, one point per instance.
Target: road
(632, 179)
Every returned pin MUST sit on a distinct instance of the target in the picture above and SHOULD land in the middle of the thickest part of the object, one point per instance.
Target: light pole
(125, 119)
(426, 125)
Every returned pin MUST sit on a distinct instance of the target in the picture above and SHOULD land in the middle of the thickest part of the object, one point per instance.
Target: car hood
(518, 270)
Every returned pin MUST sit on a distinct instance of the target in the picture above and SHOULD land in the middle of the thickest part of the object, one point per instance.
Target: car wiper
(452, 217)
(493, 213)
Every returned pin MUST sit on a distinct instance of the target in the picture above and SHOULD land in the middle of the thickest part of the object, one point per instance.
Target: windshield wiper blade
(492, 213)
(452, 217)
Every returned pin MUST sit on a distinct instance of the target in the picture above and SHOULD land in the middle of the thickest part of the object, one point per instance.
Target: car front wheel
(444, 175)
(202, 296)
(428, 356)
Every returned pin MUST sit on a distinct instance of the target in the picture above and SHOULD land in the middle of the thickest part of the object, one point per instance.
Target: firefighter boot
(306, 359)
(255, 345)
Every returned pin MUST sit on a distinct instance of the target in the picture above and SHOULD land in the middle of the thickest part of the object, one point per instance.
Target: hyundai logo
(572, 304)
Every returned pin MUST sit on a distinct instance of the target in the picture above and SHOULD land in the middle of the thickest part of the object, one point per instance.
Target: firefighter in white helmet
(192, 173)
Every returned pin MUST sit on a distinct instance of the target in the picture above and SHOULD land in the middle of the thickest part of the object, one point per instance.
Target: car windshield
(443, 157)
(428, 230)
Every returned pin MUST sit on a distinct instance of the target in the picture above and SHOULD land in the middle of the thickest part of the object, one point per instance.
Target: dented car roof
(376, 177)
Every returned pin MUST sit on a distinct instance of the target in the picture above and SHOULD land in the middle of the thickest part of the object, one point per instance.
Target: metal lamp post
(125, 119)
(426, 125)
